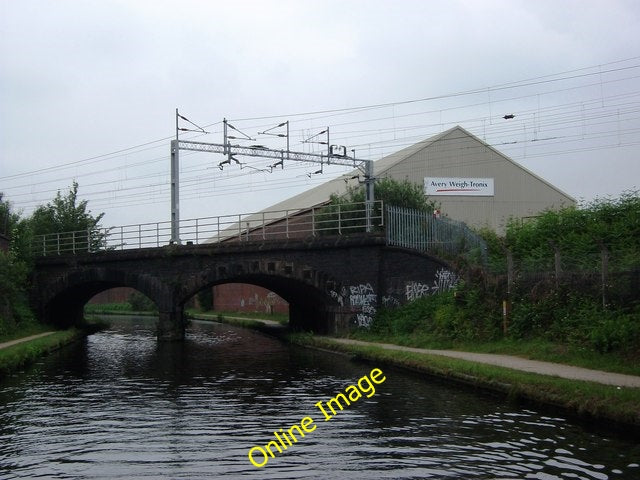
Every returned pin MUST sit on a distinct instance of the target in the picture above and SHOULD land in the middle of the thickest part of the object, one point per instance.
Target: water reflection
(120, 405)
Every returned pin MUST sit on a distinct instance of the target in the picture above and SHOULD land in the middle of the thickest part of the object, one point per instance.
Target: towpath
(24, 339)
(516, 363)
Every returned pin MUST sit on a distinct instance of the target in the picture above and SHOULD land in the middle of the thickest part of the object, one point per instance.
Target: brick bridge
(331, 282)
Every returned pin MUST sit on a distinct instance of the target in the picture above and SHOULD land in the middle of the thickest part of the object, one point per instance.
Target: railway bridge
(334, 279)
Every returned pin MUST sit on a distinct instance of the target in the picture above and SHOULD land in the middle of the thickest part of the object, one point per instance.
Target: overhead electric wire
(510, 85)
(350, 133)
(532, 81)
(552, 119)
(94, 159)
(184, 184)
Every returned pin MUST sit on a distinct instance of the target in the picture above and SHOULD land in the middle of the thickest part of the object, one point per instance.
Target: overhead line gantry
(335, 155)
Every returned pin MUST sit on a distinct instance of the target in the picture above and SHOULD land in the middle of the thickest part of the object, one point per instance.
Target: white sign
(479, 187)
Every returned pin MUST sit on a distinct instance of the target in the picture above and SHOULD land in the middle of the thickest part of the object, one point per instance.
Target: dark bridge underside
(308, 307)
(331, 284)
(67, 308)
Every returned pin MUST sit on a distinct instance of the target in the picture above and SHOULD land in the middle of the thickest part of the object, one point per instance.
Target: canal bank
(615, 406)
(120, 404)
(20, 352)
(518, 378)
(591, 400)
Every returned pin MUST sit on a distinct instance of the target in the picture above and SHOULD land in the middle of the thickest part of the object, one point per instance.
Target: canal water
(120, 405)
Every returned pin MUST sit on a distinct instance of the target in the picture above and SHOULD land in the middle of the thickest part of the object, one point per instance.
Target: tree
(392, 192)
(349, 208)
(64, 214)
(14, 304)
(403, 194)
(205, 299)
(8, 218)
(70, 218)
(141, 303)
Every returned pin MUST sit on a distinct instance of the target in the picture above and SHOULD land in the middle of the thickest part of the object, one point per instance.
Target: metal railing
(406, 227)
(340, 219)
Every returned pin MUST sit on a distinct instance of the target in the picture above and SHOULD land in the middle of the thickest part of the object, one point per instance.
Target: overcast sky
(88, 91)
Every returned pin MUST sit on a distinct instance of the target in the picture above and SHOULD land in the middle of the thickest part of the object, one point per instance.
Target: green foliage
(348, 210)
(141, 303)
(402, 194)
(577, 320)
(615, 333)
(205, 299)
(460, 314)
(8, 218)
(16, 356)
(14, 305)
(66, 214)
(107, 307)
(63, 214)
(15, 313)
(580, 234)
(568, 312)
(496, 259)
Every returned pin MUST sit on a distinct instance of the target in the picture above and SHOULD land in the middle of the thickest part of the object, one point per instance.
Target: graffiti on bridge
(364, 297)
(362, 300)
(445, 280)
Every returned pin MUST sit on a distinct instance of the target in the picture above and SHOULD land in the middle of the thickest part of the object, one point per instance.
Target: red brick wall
(230, 297)
(241, 297)
(113, 295)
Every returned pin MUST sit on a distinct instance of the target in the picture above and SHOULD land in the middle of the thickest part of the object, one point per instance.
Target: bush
(613, 333)
(14, 304)
(348, 210)
(460, 314)
(205, 299)
(141, 303)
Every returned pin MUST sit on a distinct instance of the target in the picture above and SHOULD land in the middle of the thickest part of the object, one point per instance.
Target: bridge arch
(63, 299)
(311, 307)
(331, 284)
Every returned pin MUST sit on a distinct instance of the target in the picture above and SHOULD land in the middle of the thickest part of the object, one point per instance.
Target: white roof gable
(321, 194)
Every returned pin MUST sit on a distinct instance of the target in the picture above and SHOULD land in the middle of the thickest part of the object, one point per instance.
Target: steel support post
(369, 192)
(175, 192)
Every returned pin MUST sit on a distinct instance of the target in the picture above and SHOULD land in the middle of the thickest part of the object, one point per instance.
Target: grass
(24, 353)
(111, 307)
(281, 318)
(587, 399)
(21, 354)
(237, 321)
(32, 329)
(536, 349)
(114, 309)
(125, 308)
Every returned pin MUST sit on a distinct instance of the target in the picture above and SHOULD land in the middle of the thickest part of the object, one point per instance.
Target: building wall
(241, 297)
(294, 226)
(113, 295)
(230, 297)
(518, 192)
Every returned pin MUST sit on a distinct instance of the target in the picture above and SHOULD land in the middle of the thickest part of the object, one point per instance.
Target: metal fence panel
(422, 231)
(269, 225)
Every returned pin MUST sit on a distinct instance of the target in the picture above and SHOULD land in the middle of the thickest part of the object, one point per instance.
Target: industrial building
(470, 180)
